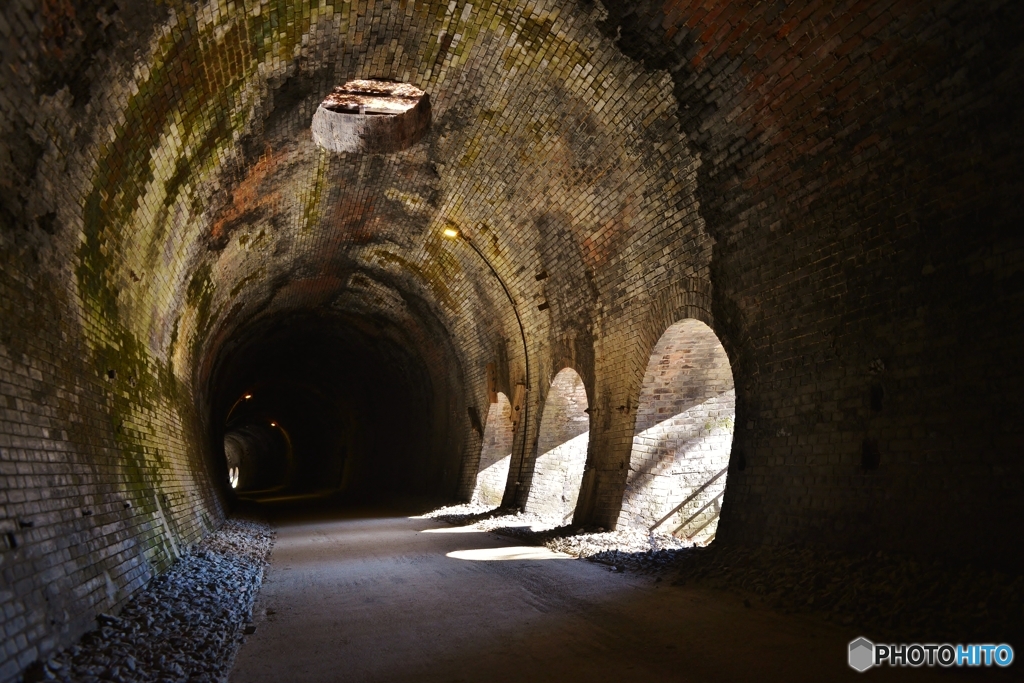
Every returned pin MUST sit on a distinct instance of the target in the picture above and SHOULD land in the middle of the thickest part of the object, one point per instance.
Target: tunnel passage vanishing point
(831, 189)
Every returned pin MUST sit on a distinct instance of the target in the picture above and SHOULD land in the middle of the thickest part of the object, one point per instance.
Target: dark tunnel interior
(335, 408)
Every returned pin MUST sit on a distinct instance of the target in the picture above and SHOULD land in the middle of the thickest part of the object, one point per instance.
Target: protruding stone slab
(372, 117)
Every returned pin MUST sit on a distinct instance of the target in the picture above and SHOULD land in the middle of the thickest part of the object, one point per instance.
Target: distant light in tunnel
(247, 397)
(273, 424)
(233, 477)
(451, 233)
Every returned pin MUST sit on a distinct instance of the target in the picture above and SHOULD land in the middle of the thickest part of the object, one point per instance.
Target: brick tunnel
(736, 277)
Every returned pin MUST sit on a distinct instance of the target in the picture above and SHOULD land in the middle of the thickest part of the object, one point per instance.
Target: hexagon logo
(862, 654)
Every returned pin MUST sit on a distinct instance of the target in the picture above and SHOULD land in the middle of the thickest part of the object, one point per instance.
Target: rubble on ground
(186, 625)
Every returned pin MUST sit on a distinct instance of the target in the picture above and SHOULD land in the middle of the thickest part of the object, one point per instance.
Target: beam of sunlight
(573, 446)
(498, 466)
(524, 552)
(558, 474)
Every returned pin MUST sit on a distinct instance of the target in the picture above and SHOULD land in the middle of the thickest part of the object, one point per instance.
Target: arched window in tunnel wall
(683, 436)
(495, 453)
(561, 449)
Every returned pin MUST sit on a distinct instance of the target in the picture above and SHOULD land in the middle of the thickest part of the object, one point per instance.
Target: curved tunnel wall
(832, 188)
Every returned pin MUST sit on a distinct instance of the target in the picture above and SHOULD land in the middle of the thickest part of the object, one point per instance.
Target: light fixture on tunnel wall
(372, 116)
(245, 397)
(453, 233)
(273, 424)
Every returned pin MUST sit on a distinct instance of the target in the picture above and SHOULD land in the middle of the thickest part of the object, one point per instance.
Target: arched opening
(495, 453)
(683, 436)
(233, 451)
(562, 449)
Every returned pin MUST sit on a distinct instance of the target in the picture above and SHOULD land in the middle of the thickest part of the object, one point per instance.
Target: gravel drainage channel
(186, 625)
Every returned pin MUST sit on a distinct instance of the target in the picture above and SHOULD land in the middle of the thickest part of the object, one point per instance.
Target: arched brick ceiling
(203, 203)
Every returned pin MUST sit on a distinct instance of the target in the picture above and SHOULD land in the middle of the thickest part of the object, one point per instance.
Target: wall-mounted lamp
(451, 233)
(273, 424)
(245, 397)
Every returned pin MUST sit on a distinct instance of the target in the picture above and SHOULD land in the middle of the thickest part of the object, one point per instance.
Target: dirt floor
(387, 597)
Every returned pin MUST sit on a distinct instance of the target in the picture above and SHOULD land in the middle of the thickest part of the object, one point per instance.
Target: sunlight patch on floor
(521, 552)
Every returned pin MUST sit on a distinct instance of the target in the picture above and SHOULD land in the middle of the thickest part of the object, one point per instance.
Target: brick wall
(857, 165)
(100, 481)
(683, 435)
(561, 449)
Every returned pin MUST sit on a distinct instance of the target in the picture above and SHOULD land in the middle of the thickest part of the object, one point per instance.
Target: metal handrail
(718, 512)
(697, 514)
(693, 495)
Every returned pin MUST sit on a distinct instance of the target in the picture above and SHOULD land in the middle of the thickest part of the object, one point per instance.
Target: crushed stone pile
(186, 625)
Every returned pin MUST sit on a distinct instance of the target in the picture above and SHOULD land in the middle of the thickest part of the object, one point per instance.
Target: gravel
(886, 595)
(186, 625)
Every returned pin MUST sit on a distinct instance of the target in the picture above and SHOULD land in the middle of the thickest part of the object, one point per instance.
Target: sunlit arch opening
(495, 453)
(561, 448)
(683, 436)
(234, 452)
